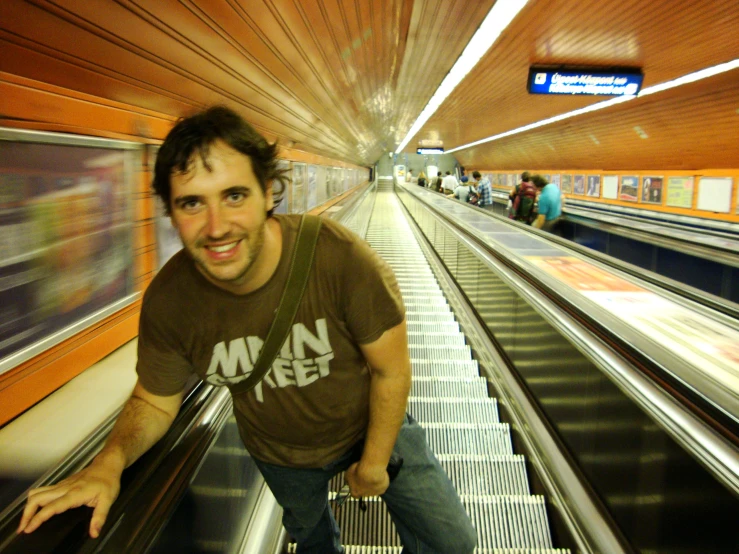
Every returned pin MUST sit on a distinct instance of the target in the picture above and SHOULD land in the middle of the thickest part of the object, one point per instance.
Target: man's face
(221, 217)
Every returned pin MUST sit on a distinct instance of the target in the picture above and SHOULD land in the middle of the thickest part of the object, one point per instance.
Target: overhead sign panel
(429, 150)
(588, 81)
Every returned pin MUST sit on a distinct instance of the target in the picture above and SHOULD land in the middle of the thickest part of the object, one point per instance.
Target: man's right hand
(96, 486)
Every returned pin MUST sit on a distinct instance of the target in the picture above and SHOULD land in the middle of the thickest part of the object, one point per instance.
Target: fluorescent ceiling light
(499, 17)
(684, 80)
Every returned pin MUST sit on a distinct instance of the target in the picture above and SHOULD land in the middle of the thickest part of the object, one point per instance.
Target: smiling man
(334, 399)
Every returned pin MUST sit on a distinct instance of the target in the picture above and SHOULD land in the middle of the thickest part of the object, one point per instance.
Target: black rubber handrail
(68, 532)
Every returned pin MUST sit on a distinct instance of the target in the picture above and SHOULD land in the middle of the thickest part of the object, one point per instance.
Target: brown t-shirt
(313, 404)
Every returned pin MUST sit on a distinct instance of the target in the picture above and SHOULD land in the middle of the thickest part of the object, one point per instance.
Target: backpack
(472, 197)
(526, 201)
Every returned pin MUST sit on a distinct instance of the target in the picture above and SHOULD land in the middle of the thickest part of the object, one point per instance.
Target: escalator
(450, 400)
(602, 473)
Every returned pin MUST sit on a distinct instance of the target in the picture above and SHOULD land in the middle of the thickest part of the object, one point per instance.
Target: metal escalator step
(434, 368)
(433, 326)
(480, 475)
(502, 523)
(423, 298)
(487, 475)
(426, 352)
(362, 549)
(435, 339)
(449, 387)
(430, 317)
(493, 439)
(509, 521)
(454, 410)
(412, 307)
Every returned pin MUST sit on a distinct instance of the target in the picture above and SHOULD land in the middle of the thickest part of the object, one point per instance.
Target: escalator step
(453, 410)
(446, 387)
(456, 368)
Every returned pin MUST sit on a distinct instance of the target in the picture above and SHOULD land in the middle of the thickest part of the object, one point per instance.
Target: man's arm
(539, 221)
(145, 419)
(389, 388)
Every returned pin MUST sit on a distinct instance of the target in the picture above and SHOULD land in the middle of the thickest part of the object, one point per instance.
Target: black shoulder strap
(300, 265)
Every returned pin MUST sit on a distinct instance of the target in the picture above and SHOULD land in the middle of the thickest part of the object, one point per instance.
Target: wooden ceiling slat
(347, 78)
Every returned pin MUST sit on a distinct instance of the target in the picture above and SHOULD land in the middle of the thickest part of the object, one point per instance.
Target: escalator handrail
(680, 290)
(716, 405)
(135, 478)
(713, 450)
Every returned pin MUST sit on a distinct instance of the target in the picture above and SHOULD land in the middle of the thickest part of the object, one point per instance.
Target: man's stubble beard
(253, 251)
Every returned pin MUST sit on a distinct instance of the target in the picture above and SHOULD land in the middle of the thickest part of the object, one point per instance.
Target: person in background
(422, 179)
(525, 178)
(462, 192)
(524, 201)
(449, 184)
(550, 205)
(333, 402)
(436, 184)
(484, 190)
(409, 176)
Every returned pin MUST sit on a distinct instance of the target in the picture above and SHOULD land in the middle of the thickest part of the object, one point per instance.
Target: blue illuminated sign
(589, 82)
(429, 150)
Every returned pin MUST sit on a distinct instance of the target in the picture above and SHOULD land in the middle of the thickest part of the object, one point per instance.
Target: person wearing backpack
(436, 183)
(464, 191)
(550, 205)
(422, 179)
(524, 201)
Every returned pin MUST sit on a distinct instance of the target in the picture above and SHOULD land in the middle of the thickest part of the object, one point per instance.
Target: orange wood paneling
(28, 383)
(34, 101)
(667, 40)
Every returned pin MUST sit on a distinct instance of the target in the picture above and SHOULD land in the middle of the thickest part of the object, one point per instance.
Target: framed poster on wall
(567, 184)
(714, 194)
(311, 187)
(579, 184)
(610, 187)
(651, 189)
(680, 192)
(556, 180)
(283, 206)
(629, 188)
(593, 186)
(297, 188)
(66, 236)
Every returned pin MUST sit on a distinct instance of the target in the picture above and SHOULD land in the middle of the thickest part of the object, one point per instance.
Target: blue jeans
(422, 502)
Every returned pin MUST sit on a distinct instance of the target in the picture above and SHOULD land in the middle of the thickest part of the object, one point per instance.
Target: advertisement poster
(66, 236)
(593, 186)
(297, 196)
(610, 186)
(629, 188)
(311, 187)
(680, 192)
(556, 180)
(651, 190)
(282, 207)
(581, 275)
(320, 184)
(567, 184)
(714, 194)
(579, 186)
